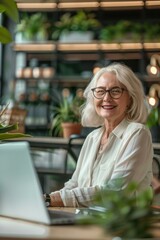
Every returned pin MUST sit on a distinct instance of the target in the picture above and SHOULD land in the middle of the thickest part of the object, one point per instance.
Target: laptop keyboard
(61, 217)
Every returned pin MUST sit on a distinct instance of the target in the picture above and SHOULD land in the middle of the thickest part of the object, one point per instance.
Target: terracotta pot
(70, 128)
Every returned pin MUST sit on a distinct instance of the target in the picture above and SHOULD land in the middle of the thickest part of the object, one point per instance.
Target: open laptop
(21, 195)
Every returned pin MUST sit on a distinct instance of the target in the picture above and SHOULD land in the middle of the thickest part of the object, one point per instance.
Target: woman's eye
(114, 91)
(100, 91)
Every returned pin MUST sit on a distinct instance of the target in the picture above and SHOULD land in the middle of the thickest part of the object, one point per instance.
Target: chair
(156, 174)
(156, 166)
(57, 163)
(74, 149)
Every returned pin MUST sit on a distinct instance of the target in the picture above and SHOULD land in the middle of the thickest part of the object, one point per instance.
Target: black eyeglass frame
(109, 91)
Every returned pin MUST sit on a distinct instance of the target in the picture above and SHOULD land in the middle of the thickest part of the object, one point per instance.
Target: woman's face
(113, 110)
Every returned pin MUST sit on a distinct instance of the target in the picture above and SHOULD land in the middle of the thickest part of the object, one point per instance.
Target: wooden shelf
(49, 5)
(85, 47)
(151, 79)
(34, 47)
(71, 81)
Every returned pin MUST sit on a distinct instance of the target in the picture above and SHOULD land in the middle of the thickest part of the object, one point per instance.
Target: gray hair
(137, 111)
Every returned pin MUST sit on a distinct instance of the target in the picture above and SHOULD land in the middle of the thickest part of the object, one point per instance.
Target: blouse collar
(119, 130)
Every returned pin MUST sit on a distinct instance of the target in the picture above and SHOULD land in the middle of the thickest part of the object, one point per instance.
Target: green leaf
(5, 36)
(10, 9)
(153, 118)
(8, 128)
(125, 214)
(2, 8)
(5, 136)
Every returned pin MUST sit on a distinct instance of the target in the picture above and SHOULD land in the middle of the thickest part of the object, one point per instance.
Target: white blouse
(128, 155)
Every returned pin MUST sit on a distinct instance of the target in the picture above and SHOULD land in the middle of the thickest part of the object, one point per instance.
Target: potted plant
(6, 129)
(32, 27)
(122, 31)
(153, 123)
(151, 31)
(153, 120)
(75, 28)
(8, 7)
(66, 116)
(122, 213)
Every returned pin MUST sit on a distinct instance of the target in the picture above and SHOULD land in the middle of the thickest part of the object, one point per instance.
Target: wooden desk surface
(57, 142)
(11, 229)
(49, 142)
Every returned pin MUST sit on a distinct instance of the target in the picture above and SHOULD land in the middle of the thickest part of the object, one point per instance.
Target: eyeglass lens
(115, 92)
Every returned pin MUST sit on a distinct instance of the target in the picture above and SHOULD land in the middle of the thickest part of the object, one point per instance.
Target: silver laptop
(21, 195)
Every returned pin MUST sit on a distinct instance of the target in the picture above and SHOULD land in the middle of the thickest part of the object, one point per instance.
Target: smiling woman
(9, 8)
(121, 146)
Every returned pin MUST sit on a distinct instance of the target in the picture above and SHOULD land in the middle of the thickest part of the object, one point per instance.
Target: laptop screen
(20, 191)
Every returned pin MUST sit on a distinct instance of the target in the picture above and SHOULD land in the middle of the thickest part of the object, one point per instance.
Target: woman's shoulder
(135, 126)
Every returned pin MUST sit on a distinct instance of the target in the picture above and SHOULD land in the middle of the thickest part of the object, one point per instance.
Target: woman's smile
(108, 106)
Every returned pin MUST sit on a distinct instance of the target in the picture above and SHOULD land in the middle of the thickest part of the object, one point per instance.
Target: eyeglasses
(115, 92)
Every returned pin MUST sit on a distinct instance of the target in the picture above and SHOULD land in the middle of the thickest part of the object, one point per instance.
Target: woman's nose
(107, 96)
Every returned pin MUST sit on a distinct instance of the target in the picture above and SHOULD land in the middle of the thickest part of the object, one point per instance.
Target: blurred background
(59, 45)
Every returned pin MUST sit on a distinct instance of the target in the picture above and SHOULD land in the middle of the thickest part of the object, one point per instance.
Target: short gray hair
(138, 109)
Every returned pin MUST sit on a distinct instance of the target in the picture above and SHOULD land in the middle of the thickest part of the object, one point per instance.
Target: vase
(76, 36)
(70, 128)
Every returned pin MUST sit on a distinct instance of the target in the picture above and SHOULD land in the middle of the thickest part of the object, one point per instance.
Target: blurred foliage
(124, 31)
(153, 118)
(9, 8)
(81, 21)
(34, 26)
(126, 214)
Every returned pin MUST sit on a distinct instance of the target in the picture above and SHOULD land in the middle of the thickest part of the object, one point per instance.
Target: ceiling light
(152, 101)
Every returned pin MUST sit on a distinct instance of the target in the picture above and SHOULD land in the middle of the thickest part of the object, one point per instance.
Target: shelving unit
(84, 56)
(89, 4)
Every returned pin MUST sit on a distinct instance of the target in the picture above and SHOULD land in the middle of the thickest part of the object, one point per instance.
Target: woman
(121, 148)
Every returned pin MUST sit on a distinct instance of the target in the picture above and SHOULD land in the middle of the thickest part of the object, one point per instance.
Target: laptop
(21, 196)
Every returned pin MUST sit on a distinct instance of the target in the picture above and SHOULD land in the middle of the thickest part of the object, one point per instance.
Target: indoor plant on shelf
(32, 28)
(122, 31)
(75, 28)
(66, 117)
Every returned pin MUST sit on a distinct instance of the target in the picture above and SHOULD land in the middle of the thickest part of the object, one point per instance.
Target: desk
(52, 143)
(49, 142)
(11, 229)
(56, 142)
